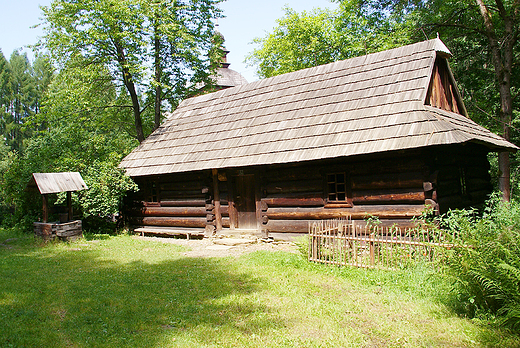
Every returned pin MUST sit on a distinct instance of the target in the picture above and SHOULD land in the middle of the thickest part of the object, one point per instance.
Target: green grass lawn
(116, 291)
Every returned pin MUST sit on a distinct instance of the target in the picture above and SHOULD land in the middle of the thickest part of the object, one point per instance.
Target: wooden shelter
(383, 135)
(50, 183)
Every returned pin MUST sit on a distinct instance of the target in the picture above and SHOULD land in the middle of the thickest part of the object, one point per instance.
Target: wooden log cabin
(382, 135)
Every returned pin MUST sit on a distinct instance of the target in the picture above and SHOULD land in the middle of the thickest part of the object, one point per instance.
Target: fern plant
(487, 273)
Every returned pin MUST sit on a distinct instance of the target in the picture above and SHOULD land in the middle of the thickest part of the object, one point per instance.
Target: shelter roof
(362, 105)
(226, 77)
(58, 182)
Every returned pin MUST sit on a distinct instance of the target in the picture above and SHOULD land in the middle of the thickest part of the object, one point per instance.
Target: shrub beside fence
(340, 242)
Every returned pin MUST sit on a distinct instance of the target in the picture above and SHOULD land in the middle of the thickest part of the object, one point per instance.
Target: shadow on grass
(77, 298)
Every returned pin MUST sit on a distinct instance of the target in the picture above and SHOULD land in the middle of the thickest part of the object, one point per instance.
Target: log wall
(462, 179)
(183, 201)
(393, 187)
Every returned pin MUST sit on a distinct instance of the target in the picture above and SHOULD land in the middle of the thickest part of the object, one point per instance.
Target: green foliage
(107, 187)
(81, 133)
(307, 39)
(299, 41)
(484, 39)
(22, 86)
(487, 273)
(156, 50)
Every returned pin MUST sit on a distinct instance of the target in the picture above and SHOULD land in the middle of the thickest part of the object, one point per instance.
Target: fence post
(372, 251)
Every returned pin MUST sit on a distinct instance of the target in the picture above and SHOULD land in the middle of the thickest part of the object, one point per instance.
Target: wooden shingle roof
(362, 105)
(226, 77)
(58, 182)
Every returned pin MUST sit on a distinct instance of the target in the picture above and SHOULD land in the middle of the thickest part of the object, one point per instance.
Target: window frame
(152, 194)
(342, 190)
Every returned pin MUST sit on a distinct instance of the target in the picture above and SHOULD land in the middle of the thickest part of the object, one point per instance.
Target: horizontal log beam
(224, 210)
(173, 211)
(188, 193)
(170, 221)
(294, 202)
(388, 181)
(294, 186)
(183, 203)
(182, 186)
(388, 166)
(291, 226)
(356, 213)
(302, 226)
(382, 196)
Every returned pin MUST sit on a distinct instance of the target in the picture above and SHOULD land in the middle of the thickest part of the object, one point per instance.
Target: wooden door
(245, 201)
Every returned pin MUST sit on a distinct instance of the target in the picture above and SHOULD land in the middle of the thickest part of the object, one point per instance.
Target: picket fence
(340, 242)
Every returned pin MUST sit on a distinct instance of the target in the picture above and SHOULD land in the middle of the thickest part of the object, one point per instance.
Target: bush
(487, 274)
(95, 156)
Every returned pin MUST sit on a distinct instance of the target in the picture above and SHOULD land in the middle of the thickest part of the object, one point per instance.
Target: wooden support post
(258, 206)
(45, 216)
(216, 201)
(69, 206)
(232, 211)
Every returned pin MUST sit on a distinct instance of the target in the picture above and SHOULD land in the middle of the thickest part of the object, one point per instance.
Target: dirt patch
(218, 247)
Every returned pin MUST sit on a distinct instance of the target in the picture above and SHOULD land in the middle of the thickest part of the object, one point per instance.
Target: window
(153, 197)
(337, 187)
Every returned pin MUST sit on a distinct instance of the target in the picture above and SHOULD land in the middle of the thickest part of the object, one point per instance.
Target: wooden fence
(340, 242)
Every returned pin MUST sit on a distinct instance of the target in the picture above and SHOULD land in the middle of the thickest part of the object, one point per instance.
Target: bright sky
(245, 20)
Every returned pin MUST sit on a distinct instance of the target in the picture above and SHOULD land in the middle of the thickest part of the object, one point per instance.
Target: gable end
(442, 91)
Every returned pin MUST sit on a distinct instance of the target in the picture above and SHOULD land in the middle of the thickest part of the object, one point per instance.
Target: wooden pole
(232, 211)
(216, 201)
(258, 205)
(69, 206)
(372, 250)
(45, 209)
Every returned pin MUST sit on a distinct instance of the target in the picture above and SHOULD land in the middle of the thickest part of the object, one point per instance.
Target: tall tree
(127, 36)
(307, 39)
(487, 32)
(22, 99)
(180, 48)
(78, 131)
(5, 93)
(43, 73)
(22, 87)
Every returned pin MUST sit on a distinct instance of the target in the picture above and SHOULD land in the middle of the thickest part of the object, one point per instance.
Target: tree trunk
(502, 55)
(129, 84)
(158, 73)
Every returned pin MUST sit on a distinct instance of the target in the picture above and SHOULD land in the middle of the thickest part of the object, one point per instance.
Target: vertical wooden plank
(231, 202)
(216, 201)
(372, 251)
(334, 243)
(315, 243)
(258, 205)
(354, 245)
(45, 216)
(69, 206)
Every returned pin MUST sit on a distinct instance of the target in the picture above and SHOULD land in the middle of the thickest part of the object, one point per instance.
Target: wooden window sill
(152, 204)
(338, 205)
